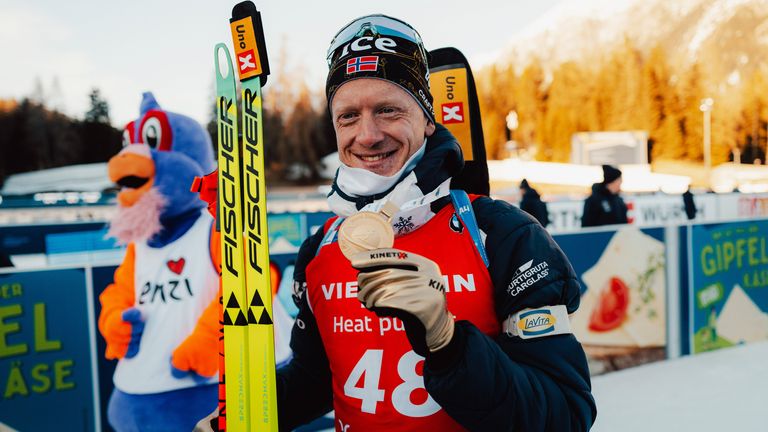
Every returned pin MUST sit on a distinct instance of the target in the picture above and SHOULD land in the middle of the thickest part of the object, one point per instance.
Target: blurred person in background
(531, 203)
(605, 206)
(689, 204)
(5, 260)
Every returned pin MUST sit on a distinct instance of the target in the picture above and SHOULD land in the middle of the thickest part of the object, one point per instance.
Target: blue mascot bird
(160, 316)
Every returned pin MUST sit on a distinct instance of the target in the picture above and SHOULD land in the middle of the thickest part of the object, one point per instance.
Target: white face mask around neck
(414, 205)
(357, 182)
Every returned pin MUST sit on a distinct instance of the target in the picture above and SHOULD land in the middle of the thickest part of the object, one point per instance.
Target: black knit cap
(610, 174)
(379, 46)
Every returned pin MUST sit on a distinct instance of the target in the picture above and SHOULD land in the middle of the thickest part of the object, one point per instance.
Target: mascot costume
(160, 316)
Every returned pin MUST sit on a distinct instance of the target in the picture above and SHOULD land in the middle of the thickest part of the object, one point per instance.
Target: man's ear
(430, 129)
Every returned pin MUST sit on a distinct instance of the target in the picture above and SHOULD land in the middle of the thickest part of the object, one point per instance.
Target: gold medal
(365, 231)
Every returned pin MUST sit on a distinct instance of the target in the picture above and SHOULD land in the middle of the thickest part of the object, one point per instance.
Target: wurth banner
(662, 209)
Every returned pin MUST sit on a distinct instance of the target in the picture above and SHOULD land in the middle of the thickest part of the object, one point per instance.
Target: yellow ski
(253, 68)
(251, 400)
(233, 275)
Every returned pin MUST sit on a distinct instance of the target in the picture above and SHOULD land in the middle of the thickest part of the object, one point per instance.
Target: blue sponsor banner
(46, 368)
(315, 221)
(683, 287)
(583, 249)
(728, 284)
(623, 278)
(32, 239)
(102, 277)
(286, 232)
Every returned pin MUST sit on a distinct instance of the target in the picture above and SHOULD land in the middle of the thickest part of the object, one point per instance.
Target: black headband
(388, 57)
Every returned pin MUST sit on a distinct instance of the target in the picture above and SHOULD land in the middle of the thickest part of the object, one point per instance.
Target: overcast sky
(166, 46)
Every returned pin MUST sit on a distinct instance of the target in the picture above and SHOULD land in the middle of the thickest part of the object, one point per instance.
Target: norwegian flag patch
(362, 64)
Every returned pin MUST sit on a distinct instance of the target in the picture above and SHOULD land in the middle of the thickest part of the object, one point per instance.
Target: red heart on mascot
(176, 266)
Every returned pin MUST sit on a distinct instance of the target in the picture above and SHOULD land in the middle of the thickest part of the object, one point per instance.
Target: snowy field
(725, 390)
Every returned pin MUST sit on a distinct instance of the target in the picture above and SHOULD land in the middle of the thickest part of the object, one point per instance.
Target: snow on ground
(725, 390)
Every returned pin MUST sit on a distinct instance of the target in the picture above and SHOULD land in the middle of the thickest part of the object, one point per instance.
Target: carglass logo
(527, 275)
(536, 322)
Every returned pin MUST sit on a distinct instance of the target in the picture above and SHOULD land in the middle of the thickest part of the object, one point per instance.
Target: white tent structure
(745, 178)
(74, 178)
(636, 178)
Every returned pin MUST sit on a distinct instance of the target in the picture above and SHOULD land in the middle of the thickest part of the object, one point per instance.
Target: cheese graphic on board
(624, 305)
(741, 320)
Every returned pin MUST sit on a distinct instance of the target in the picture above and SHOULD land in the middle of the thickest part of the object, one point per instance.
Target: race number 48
(369, 369)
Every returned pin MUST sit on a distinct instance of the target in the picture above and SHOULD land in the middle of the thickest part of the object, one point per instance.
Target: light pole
(706, 108)
(512, 124)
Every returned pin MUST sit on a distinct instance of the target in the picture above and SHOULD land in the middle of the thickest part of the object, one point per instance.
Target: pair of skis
(247, 399)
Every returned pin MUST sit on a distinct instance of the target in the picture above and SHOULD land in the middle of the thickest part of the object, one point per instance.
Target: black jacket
(5, 260)
(532, 204)
(689, 204)
(485, 384)
(603, 208)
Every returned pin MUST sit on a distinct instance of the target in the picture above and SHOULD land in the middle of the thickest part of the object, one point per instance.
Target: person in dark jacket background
(5, 260)
(605, 206)
(689, 204)
(531, 203)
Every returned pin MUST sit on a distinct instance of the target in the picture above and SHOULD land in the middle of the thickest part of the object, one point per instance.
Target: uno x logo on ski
(246, 44)
(246, 62)
(362, 64)
(453, 112)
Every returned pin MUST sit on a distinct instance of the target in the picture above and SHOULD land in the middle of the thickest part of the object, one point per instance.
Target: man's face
(378, 125)
(615, 186)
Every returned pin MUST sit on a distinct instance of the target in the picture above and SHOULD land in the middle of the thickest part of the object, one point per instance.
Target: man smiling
(442, 341)
(378, 126)
(451, 316)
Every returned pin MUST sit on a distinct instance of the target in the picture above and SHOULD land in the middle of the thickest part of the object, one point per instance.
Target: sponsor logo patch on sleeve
(539, 322)
(527, 275)
(536, 322)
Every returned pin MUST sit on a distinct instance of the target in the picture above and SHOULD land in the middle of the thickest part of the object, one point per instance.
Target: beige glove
(397, 283)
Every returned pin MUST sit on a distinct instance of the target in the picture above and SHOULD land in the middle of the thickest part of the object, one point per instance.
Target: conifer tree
(530, 104)
(561, 119)
(622, 81)
(655, 88)
(752, 122)
(692, 93)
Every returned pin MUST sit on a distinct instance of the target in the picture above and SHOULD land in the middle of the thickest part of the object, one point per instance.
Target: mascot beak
(134, 170)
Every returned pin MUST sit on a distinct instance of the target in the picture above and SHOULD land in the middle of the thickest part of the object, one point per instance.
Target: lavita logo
(536, 322)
